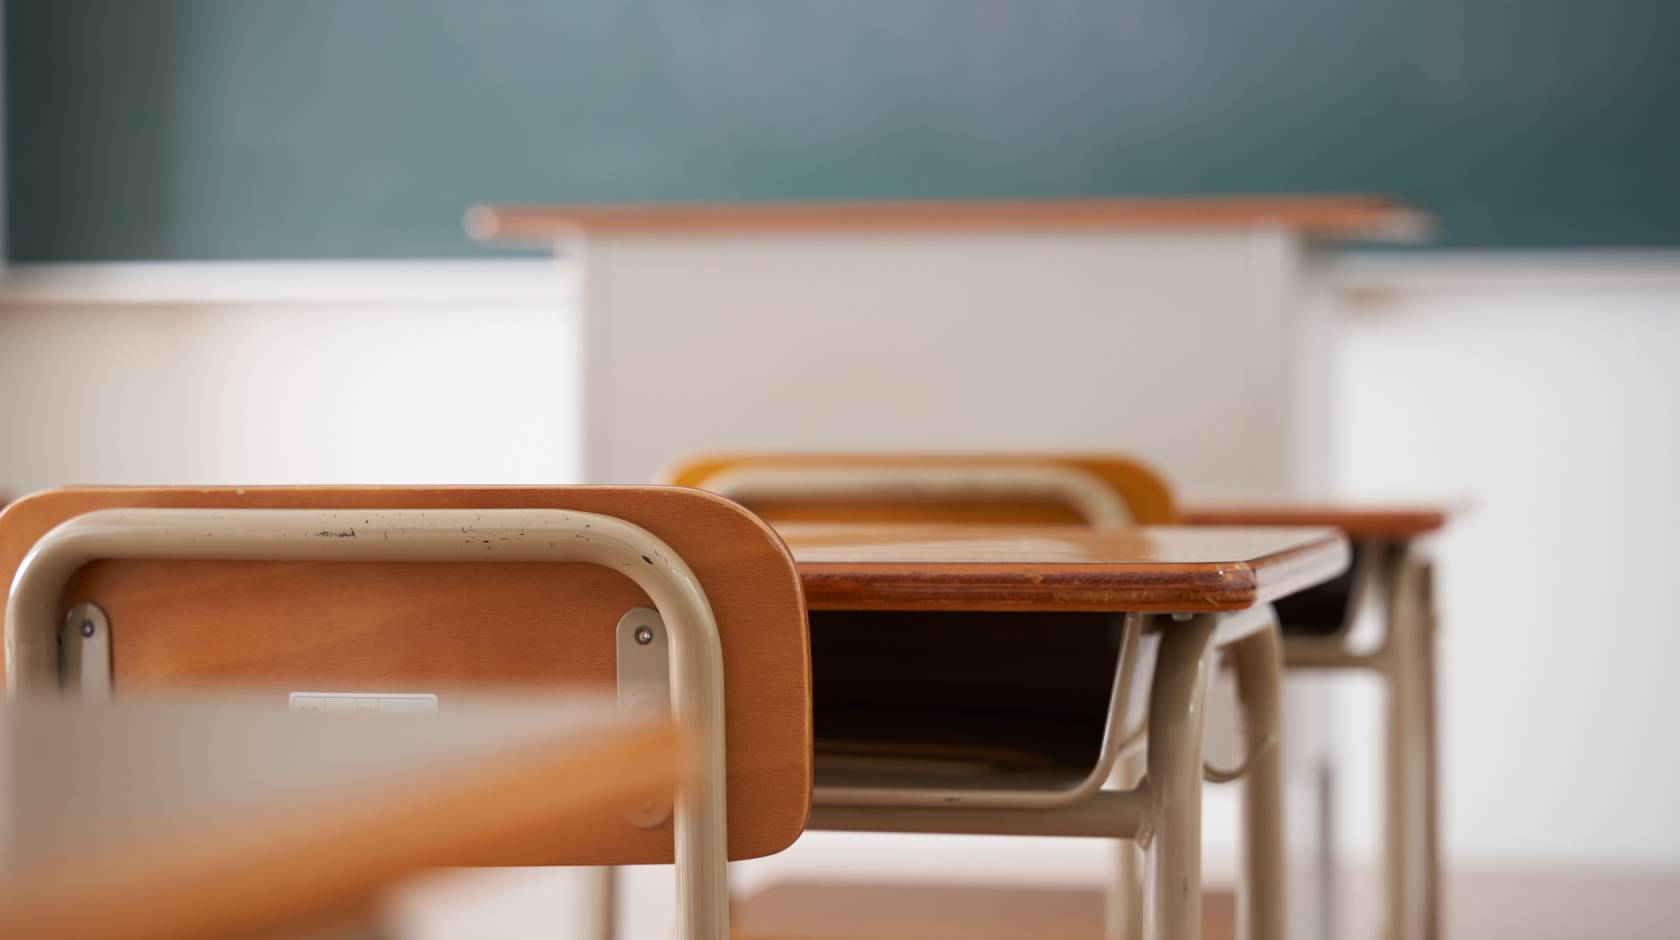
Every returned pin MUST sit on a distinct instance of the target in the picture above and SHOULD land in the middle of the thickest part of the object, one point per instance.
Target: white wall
(285, 373)
(1546, 391)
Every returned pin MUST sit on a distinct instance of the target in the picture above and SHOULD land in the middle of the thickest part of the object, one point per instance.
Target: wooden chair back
(419, 626)
(1141, 491)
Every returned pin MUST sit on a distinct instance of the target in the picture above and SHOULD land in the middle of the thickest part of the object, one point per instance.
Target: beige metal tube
(1080, 490)
(1114, 814)
(1173, 849)
(1412, 867)
(1258, 663)
(1428, 693)
(489, 535)
(1123, 896)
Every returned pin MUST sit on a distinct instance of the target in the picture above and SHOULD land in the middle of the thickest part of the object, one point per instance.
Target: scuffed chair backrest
(393, 626)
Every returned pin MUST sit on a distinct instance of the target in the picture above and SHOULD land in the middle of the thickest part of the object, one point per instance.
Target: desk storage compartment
(961, 700)
(1323, 610)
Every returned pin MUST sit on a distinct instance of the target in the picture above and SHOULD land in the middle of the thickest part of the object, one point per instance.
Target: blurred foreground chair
(376, 597)
(208, 817)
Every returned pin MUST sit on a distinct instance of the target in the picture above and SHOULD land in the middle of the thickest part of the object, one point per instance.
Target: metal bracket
(84, 643)
(644, 689)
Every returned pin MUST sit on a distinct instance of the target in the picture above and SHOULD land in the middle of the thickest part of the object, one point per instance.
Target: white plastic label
(365, 703)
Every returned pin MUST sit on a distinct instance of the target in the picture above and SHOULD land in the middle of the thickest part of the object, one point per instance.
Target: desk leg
(1413, 864)
(1173, 850)
(1258, 661)
(1431, 756)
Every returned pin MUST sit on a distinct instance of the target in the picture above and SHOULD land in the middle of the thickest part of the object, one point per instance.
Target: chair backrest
(1075, 489)
(399, 626)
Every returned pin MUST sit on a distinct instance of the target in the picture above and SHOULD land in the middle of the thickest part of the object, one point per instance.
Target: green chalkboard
(362, 128)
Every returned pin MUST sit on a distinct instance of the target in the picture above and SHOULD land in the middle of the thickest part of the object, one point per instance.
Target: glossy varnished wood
(1150, 568)
(1319, 216)
(420, 626)
(1144, 492)
(1360, 522)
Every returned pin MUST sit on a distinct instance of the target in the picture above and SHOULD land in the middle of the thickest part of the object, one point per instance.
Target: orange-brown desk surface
(1151, 568)
(1360, 522)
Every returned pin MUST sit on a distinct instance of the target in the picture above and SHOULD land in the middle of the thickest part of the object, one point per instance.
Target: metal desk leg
(1413, 817)
(1432, 756)
(1258, 662)
(1173, 847)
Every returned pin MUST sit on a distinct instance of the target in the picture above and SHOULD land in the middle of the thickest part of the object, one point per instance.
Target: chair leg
(602, 901)
(1173, 849)
(1258, 662)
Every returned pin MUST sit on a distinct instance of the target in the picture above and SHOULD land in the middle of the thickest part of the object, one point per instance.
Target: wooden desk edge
(1073, 586)
(1327, 216)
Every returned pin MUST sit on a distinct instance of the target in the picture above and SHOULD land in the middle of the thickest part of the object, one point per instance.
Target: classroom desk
(1213, 584)
(211, 817)
(1391, 578)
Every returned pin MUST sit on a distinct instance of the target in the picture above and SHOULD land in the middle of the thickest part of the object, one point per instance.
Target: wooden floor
(1535, 904)
(1482, 904)
(796, 911)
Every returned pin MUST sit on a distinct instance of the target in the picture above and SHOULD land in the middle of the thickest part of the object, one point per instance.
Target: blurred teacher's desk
(1091, 324)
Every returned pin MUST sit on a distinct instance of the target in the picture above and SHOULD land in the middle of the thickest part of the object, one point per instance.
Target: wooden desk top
(1061, 568)
(1320, 216)
(1361, 523)
(217, 817)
